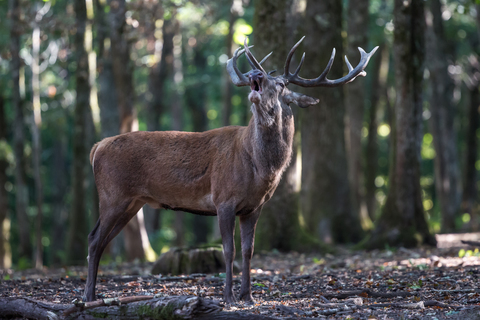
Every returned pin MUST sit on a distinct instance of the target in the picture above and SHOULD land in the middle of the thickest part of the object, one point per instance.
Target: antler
(322, 80)
(241, 79)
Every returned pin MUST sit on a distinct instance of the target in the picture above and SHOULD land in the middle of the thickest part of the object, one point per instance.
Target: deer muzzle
(256, 81)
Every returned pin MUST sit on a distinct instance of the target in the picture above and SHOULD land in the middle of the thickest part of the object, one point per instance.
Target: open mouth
(255, 86)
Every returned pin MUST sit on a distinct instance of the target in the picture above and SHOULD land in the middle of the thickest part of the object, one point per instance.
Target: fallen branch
(289, 310)
(352, 301)
(471, 243)
(337, 310)
(105, 302)
(417, 305)
(456, 290)
(367, 292)
(178, 307)
(434, 303)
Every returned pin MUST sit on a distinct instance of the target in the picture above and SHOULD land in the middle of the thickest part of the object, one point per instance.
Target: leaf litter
(420, 283)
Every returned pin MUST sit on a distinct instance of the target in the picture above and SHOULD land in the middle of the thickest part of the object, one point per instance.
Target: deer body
(204, 169)
(228, 172)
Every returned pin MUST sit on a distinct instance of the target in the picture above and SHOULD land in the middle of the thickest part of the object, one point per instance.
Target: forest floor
(424, 283)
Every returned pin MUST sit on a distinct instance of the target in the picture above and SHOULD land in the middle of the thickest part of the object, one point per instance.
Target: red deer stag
(228, 172)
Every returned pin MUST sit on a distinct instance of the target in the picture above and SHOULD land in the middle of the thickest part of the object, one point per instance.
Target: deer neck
(270, 137)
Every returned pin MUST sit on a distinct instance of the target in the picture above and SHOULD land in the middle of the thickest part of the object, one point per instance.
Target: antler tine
(266, 57)
(238, 78)
(299, 65)
(323, 81)
(329, 66)
(261, 62)
(289, 58)
(251, 59)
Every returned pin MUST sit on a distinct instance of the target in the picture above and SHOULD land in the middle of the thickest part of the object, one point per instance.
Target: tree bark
(5, 251)
(21, 195)
(36, 124)
(228, 86)
(379, 88)
(143, 307)
(158, 76)
(136, 241)
(447, 171)
(325, 196)
(357, 31)
(36, 152)
(402, 222)
(60, 210)
(78, 222)
(469, 200)
(178, 307)
(107, 95)
(280, 215)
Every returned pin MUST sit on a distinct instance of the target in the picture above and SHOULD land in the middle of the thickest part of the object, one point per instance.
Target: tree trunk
(447, 171)
(107, 95)
(379, 83)
(78, 222)
(36, 125)
(228, 86)
(21, 196)
(325, 196)
(122, 66)
(469, 201)
(402, 222)
(158, 76)
(280, 215)
(60, 211)
(357, 31)
(36, 152)
(5, 251)
(136, 241)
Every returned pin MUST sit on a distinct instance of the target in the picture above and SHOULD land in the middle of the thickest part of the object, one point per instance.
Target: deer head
(269, 91)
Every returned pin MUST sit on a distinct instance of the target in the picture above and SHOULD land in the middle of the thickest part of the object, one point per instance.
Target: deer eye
(281, 85)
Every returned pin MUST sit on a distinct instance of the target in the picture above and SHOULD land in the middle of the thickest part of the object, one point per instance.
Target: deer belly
(199, 205)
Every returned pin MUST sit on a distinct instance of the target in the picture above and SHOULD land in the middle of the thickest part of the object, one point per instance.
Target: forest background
(388, 160)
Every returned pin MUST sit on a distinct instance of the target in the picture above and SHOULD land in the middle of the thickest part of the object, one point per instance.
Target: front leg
(247, 233)
(226, 221)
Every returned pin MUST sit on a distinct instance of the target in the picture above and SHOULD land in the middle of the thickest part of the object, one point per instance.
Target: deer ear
(301, 100)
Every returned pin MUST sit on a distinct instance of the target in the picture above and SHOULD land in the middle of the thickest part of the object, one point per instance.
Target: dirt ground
(422, 283)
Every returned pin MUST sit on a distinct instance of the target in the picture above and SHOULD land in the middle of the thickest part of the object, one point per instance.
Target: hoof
(229, 298)
(247, 297)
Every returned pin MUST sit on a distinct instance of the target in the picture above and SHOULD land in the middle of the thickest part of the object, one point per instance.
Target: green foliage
(258, 284)
(416, 285)
(468, 253)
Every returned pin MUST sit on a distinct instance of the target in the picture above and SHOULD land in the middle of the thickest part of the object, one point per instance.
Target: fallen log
(176, 307)
(137, 307)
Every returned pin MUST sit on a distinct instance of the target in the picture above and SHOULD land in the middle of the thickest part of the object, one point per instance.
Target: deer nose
(256, 75)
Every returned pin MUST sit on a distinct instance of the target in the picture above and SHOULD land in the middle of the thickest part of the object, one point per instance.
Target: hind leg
(111, 222)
